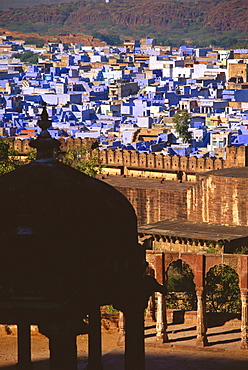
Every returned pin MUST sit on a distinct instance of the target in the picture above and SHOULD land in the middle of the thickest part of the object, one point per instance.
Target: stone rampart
(159, 162)
(220, 198)
(152, 205)
(132, 162)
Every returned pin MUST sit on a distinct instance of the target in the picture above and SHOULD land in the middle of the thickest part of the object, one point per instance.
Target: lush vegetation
(8, 158)
(109, 39)
(84, 161)
(110, 310)
(222, 289)
(221, 23)
(28, 57)
(181, 287)
(35, 41)
(182, 123)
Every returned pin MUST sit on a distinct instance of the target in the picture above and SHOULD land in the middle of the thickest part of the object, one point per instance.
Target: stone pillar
(201, 328)
(161, 324)
(121, 325)
(63, 350)
(24, 347)
(244, 319)
(150, 311)
(62, 344)
(95, 340)
(134, 338)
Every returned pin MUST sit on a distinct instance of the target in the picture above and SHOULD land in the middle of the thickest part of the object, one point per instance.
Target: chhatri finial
(44, 117)
(44, 143)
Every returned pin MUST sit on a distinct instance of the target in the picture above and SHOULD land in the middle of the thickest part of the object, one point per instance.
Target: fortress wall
(235, 157)
(152, 205)
(212, 199)
(219, 199)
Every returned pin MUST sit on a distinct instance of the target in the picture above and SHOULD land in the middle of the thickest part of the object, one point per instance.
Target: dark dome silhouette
(62, 227)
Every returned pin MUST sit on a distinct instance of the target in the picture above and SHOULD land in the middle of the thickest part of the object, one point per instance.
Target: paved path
(163, 359)
(180, 353)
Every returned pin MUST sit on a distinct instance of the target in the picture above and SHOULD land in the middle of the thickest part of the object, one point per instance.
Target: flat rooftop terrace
(144, 183)
(235, 172)
(194, 230)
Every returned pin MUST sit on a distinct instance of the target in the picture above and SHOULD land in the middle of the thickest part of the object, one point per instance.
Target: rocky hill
(35, 38)
(169, 21)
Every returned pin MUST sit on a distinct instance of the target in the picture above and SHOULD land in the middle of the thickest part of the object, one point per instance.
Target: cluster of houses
(125, 97)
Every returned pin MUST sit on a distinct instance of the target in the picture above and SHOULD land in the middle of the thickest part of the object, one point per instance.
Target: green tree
(241, 250)
(113, 39)
(182, 121)
(213, 246)
(31, 155)
(35, 41)
(181, 286)
(28, 57)
(222, 290)
(84, 160)
(8, 161)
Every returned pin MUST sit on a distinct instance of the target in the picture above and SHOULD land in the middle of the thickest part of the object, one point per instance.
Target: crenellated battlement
(133, 163)
(163, 162)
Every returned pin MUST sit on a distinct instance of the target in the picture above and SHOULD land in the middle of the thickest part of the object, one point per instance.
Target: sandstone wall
(152, 205)
(213, 199)
(219, 199)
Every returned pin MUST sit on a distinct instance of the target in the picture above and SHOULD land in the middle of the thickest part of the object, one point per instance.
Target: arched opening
(223, 305)
(222, 290)
(179, 305)
(181, 286)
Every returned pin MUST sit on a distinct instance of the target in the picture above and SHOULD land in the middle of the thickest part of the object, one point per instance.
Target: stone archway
(201, 263)
(223, 299)
(181, 286)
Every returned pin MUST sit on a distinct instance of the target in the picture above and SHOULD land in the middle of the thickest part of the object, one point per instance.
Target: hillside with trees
(221, 23)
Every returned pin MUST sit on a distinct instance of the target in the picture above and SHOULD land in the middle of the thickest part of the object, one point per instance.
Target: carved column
(95, 340)
(161, 324)
(201, 328)
(24, 347)
(150, 311)
(121, 325)
(244, 319)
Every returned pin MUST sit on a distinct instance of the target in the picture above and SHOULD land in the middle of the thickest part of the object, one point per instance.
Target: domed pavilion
(68, 246)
